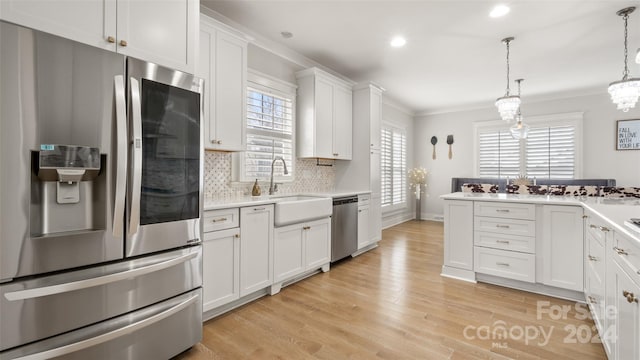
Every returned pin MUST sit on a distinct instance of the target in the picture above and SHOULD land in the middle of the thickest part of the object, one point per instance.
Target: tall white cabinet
(256, 248)
(162, 32)
(324, 120)
(222, 63)
(363, 173)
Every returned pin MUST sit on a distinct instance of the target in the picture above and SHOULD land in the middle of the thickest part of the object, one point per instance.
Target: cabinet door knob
(123, 43)
(620, 251)
(236, 235)
(111, 39)
(593, 258)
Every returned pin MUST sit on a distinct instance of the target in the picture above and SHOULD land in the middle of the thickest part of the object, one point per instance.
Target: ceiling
(454, 58)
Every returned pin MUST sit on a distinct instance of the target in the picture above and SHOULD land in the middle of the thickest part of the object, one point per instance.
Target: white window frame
(269, 85)
(564, 119)
(404, 204)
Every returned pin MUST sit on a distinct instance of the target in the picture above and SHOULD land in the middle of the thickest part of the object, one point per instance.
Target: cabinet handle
(620, 251)
(502, 264)
(604, 229)
(593, 258)
(592, 300)
(123, 43)
(502, 241)
(258, 209)
(111, 39)
(502, 226)
(631, 297)
(585, 216)
(218, 220)
(502, 210)
(593, 226)
(306, 228)
(219, 142)
(335, 154)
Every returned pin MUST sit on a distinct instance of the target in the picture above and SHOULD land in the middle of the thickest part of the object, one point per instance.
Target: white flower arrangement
(418, 180)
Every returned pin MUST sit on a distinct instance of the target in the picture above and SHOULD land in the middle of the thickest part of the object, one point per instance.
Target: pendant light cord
(625, 73)
(507, 42)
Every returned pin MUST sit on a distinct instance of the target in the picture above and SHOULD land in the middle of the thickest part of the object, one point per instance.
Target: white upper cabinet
(222, 63)
(161, 32)
(324, 127)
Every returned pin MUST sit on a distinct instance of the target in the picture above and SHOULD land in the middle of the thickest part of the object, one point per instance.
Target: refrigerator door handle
(92, 282)
(136, 151)
(103, 338)
(121, 155)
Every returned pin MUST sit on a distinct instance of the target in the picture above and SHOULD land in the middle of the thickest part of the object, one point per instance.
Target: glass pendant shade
(519, 130)
(508, 107)
(625, 93)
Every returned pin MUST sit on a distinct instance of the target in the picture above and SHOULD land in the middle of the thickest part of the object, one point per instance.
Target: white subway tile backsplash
(217, 178)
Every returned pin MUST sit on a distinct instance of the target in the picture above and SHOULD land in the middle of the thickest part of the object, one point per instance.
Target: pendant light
(625, 92)
(508, 104)
(519, 130)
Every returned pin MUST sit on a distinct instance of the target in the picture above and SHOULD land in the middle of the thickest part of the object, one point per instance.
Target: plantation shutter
(550, 152)
(499, 154)
(393, 154)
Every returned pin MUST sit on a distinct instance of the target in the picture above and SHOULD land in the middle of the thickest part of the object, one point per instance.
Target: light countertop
(216, 204)
(615, 211)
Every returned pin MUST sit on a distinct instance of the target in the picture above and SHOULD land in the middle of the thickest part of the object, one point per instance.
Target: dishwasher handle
(345, 200)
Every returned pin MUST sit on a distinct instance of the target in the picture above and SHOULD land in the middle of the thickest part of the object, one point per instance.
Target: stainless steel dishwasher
(344, 227)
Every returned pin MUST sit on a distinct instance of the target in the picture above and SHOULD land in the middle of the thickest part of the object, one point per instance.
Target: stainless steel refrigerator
(101, 173)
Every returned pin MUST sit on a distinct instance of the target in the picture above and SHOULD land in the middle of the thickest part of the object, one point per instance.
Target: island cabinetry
(562, 247)
(458, 240)
(504, 240)
(622, 298)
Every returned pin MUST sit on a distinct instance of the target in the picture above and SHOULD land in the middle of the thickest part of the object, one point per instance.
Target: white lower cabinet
(301, 247)
(363, 227)
(220, 268)
(562, 244)
(458, 236)
(256, 248)
(623, 295)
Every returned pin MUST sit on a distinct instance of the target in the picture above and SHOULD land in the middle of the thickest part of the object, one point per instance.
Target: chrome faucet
(273, 189)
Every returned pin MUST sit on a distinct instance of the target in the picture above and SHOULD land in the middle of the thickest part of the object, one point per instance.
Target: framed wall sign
(628, 135)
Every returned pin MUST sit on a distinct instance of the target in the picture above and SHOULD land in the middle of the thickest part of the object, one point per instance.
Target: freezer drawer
(156, 332)
(47, 306)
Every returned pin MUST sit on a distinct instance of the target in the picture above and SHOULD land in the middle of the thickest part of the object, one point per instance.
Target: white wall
(395, 114)
(269, 63)
(600, 159)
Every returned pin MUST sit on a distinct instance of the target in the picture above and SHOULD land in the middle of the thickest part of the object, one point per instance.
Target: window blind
(548, 152)
(393, 164)
(499, 154)
(269, 134)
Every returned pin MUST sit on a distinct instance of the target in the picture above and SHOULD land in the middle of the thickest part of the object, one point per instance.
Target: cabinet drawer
(364, 199)
(594, 257)
(221, 219)
(525, 244)
(505, 210)
(596, 227)
(506, 264)
(505, 226)
(626, 252)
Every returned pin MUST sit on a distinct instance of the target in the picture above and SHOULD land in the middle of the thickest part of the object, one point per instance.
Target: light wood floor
(392, 303)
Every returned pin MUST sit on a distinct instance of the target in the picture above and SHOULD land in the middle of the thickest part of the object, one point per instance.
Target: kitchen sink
(300, 208)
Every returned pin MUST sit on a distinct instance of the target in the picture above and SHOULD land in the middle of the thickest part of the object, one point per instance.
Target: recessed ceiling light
(286, 34)
(499, 10)
(398, 41)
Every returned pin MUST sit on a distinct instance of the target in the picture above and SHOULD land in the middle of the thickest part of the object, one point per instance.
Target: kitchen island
(578, 248)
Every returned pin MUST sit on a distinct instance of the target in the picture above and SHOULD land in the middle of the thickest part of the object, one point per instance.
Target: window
(393, 165)
(269, 134)
(550, 150)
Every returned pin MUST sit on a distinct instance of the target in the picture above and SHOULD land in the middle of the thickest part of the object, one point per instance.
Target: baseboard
(395, 219)
(458, 274)
(533, 287)
(432, 216)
